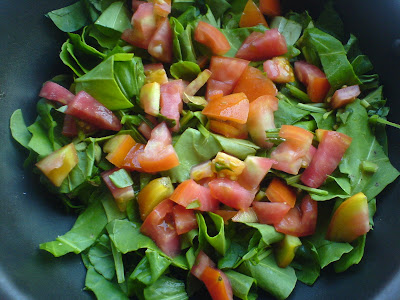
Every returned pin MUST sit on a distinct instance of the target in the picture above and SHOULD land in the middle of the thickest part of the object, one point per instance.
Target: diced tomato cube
(185, 219)
(279, 70)
(271, 8)
(160, 45)
(345, 96)
(171, 103)
(270, 213)
(254, 172)
(211, 37)
(252, 16)
(54, 91)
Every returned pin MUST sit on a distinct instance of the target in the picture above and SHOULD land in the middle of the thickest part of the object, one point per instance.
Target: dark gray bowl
(29, 50)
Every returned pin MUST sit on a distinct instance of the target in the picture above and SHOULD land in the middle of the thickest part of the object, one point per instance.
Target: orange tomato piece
(252, 16)
(271, 8)
(131, 161)
(217, 284)
(229, 129)
(296, 134)
(255, 84)
(117, 156)
(279, 191)
(234, 107)
(211, 37)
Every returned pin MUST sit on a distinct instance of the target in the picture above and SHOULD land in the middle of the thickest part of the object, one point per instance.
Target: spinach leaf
(102, 288)
(127, 237)
(218, 241)
(330, 22)
(70, 18)
(186, 70)
(332, 56)
(277, 281)
(19, 131)
(83, 234)
(40, 142)
(268, 233)
(191, 150)
(324, 120)
(166, 288)
(241, 284)
(100, 257)
(114, 82)
(290, 29)
(236, 147)
(337, 187)
(288, 112)
(306, 263)
(110, 206)
(218, 7)
(114, 20)
(121, 178)
(364, 147)
(183, 48)
(353, 257)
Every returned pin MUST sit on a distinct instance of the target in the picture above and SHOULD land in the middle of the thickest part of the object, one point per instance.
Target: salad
(228, 146)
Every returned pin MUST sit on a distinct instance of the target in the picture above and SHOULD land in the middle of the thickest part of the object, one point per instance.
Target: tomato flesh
(279, 70)
(234, 107)
(171, 103)
(344, 96)
(159, 226)
(279, 191)
(254, 171)
(185, 219)
(217, 284)
(54, 91)
(270, 213)
(252, 16)
(160, 45)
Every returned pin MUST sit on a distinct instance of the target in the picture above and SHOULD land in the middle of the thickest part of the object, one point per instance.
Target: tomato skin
(54, 91)
(88, 109)
(160, 45)
(252, 16)
(344, 96)
(211, 37)
(229, 129)
(270, 213)
(117, 156)
(121, 195)
(185, 219)
(350, 220)
(217, 284)
(326, 159)
(131, 161)
(271, 8)
(159, 226)
(279, 70)
(144, 25)
(300, 220)
(162, 8)
(234, 107)
(171, 103)
(261, 118)
(231, 193)
(255, 84)
(314, 79)
(225, 73)
(261, 46)
(158, 154)
(190, 191)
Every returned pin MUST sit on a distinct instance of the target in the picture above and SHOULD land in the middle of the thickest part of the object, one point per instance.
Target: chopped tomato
(329, 153)
(217, 284)
(350, 220)
(261, 119)
(144, 25)
(57, 165)
(85, 107)
(158, 154)
(201, 171)
(234, 107)
(155, 73)
(300, 220)
(314, 79)
(171, 101)
(255, 84)
(189, 192)
(153, 194)
(211, 37)
(136, 3)
(261, 46)
(231, 193)
(279, 191)
(229, 129)
(226, 215)
(201, 263)
(254, 172)
(185, 219)
(124, 143)
(291, 153)
(72, 126)
(252, 16)
(160, 45)
(225, 72)
(226, 165)
(162, 8)
(271, 8)
(246, 216)
(345, 96)
(279, 70)
(270, 213)
(198, 83)
(121, 195)
(145, 129)
(159, 226)
(131, 160)
(54, 91)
